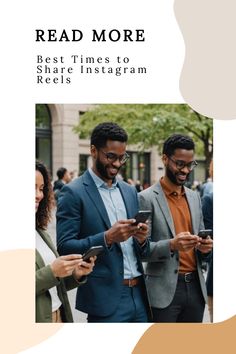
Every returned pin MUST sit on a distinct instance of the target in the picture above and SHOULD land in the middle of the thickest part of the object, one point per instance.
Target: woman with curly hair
(54, 275)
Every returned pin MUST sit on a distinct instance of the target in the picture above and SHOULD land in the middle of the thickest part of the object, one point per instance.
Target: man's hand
(142, 233)
(121, 231)
(184, 241)
(84, 268)
(205, 245)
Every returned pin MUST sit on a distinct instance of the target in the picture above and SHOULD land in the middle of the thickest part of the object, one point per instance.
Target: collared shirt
(181, 216)
(116, 210)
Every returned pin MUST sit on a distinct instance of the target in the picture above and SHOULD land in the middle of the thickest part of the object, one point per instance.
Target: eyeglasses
(113, 157)
(181, 164)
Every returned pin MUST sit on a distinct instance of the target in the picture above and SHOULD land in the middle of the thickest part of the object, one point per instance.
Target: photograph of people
(54, 275)
(128, 158)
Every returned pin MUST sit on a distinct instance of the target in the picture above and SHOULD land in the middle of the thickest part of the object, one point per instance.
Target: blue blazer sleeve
(77, 221)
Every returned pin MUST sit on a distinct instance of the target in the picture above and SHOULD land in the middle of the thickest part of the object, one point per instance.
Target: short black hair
(61, 172)
(107, 131)
(177, 141)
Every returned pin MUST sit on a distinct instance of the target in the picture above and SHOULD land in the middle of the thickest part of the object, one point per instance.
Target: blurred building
(57, 145)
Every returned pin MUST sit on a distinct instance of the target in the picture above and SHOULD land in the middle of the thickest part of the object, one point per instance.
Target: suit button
(176, 271)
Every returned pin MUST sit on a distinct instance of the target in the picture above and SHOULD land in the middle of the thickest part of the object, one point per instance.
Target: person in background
(130, 181)
(72, 175)
(64, 177)
(145, 184)
(174, 278)
(207, 187)
(54, 275)
(196, 186)
(138, 186)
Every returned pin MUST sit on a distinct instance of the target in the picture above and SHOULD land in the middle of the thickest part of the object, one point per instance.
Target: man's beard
(102, 170)
(172, 177)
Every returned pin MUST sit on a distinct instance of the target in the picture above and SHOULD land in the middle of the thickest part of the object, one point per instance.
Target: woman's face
(39, 184)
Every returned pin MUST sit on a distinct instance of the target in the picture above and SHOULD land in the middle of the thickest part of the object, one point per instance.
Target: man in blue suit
(97, 209)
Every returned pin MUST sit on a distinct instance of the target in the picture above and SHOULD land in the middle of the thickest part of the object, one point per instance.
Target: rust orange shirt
(181, 216)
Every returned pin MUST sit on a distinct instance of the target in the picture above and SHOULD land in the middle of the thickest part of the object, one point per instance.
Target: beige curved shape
(18, 328)
(185, 338)
(208, 77)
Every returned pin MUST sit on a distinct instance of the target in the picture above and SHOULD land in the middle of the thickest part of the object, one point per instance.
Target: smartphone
(204, 233)
(93, 251)
(142, 216)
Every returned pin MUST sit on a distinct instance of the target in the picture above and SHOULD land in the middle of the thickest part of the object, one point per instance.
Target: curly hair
(177, 141)
(43, 214)
(107, 131)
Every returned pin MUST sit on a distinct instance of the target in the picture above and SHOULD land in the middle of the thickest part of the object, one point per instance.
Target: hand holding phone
(93, 251)
(206, 244)
(204, 233)
(141, 216)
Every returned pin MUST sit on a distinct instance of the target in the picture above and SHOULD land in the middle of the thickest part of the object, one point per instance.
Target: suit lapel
(94, 195)
(161, 199)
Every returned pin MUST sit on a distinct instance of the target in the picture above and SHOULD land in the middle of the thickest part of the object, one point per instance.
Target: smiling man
(97, 209)
(175, 282)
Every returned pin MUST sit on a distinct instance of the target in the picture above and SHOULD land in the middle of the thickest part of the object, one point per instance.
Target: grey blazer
(162, 265)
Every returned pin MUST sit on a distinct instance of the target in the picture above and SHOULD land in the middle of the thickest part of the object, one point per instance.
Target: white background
(163, 54)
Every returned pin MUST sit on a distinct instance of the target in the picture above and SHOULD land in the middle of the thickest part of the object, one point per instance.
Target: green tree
(42, 116)
(150, 124)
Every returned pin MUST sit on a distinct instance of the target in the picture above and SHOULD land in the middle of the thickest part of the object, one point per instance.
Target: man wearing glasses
(174, 278)
(97, 209)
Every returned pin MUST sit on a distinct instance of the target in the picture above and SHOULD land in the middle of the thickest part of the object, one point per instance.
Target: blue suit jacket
(81, 222)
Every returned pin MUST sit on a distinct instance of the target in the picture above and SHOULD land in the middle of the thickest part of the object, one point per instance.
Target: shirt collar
(99, 182)
(169, 188)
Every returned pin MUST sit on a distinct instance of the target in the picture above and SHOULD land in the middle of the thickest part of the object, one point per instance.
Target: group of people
(149, 271)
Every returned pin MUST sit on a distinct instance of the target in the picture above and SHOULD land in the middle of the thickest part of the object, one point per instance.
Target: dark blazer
(58, 184)
(207, 210)
(162, 265)
(46, 280)
(81, 222)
